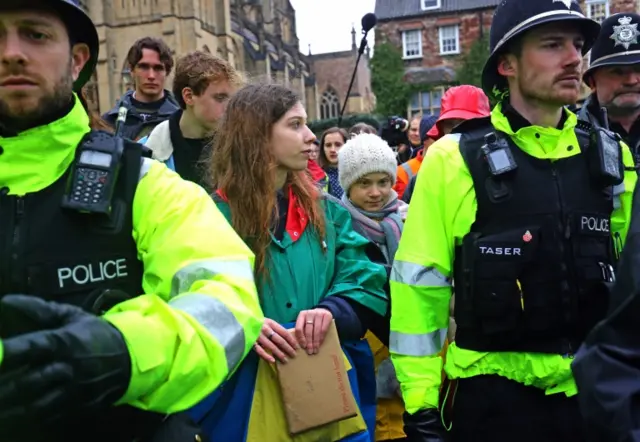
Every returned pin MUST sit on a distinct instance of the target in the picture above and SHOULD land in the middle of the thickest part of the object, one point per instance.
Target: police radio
(498, 155)
(95, 171)
(605, 154)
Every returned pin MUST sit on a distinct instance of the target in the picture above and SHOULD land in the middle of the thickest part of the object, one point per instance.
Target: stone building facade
(333, 73)
(433, 34)
(257, 37)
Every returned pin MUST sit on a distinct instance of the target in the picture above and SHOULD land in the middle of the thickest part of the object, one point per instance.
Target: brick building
(333, 72)
(257, 37)
(433, 34)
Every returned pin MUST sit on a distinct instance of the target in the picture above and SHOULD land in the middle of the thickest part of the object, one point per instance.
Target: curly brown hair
(244, 167)
(197, 69)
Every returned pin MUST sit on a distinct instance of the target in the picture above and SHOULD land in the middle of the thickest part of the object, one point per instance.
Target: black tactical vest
(529, 275)
(66, 256)
(80, 259)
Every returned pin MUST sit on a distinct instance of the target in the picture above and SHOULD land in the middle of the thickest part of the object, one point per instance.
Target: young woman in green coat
(310, 263)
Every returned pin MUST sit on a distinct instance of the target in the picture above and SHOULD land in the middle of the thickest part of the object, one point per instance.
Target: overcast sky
(326, 24)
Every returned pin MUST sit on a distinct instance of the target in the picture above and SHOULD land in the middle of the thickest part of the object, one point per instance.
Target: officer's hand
(76, 363)
(424, 426)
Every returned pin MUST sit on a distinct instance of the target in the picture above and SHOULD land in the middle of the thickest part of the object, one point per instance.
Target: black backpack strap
(472, 138)
(472, 133)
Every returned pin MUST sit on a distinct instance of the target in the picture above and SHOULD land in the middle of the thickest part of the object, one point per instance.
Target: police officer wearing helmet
(614, 78)
(125, 296)
(526, 214)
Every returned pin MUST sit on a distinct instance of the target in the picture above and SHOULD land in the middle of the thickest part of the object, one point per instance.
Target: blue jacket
(225, 414)
(138, 125)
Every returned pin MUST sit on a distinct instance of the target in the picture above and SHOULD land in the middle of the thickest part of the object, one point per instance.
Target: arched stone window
(329, 104)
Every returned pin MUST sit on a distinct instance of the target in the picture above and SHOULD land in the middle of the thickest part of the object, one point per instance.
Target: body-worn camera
(605, 157)
(605, 154)
(498, 154)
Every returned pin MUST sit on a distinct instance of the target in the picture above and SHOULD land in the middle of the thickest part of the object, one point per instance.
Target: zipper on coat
(18, 215)
(6, 215)
(566, 249)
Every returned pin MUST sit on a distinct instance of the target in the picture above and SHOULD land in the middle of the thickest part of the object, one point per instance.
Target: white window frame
(590, 3)
(404, 44)
(429, 8)
(441, 31)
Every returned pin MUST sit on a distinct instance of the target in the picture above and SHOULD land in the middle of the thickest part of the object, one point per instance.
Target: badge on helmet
(626, 34)
(617, 43)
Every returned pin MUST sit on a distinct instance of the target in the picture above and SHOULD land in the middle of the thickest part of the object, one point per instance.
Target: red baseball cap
(464, 102)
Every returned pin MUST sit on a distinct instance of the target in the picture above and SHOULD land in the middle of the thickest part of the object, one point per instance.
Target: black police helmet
(513, 17)
(617, 43)
(79, 26)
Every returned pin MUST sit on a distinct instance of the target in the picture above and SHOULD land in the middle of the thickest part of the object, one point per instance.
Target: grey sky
(326, 24)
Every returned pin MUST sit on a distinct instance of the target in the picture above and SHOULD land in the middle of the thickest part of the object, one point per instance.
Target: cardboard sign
(315, 388)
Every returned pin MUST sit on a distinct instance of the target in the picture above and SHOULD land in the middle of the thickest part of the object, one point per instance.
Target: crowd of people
(161, 259)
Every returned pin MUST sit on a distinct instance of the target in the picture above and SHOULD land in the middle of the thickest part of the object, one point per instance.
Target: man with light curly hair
(203, 85)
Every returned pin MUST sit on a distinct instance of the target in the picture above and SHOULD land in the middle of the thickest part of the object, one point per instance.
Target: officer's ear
(507, 65)
(80, 54)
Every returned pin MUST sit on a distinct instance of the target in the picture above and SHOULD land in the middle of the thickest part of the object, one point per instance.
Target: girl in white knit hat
(367, 172)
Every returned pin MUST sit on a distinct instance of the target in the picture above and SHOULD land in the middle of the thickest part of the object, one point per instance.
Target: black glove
(59, 363)
(424, 426)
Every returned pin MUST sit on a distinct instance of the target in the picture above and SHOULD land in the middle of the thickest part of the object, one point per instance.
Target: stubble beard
(546, 96)
(615, 110)
(21, 119)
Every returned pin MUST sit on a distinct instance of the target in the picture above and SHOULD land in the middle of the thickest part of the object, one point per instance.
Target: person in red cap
(458, 104)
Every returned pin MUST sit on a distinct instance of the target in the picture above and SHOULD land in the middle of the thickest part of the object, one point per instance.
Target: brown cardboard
(315, 388)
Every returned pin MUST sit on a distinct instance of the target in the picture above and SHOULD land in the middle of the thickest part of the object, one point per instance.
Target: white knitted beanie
(362, 155)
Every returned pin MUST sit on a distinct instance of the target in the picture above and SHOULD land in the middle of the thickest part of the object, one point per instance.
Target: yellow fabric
(176, 361)
(389, 423)
(268, 422)
(36, 158)
(441, 213)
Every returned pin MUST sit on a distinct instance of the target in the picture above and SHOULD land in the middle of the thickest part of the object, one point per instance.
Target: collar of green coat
(297, 218)
(36, 158)
(538, 141)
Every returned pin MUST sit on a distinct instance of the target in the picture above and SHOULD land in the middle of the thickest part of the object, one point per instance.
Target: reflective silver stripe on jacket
(207, 270)
(145, 165)
(407, 169)
(617, 191)
(426, 344)
(213, 315)
(387, 385)
(417, 275)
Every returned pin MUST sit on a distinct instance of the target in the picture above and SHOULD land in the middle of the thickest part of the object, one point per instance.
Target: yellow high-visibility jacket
(200, 315)
(441, 213)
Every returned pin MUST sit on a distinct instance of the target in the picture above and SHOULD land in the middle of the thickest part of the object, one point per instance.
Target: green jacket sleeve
(200, 314)
(355, 276)
(442, 209)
